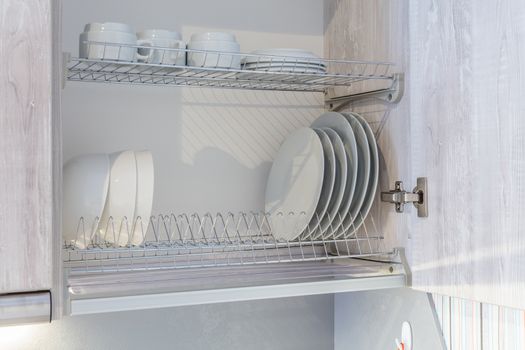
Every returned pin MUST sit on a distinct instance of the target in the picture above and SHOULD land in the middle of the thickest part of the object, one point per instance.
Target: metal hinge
(400, 197)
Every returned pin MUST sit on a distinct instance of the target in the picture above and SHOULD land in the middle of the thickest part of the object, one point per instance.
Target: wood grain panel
(467, 133)
(26, 188)
(461, 124)
(377, 30)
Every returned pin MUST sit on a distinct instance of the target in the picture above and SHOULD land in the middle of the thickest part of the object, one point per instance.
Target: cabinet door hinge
(399, 197)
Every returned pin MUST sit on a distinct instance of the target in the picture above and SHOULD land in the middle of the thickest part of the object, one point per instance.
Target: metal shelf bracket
(392, 94)
(399, 197)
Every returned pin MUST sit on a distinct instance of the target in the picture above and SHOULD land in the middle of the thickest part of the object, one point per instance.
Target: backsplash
(469, 325)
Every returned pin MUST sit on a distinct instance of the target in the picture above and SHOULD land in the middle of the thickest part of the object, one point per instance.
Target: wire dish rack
(193, 240)
(116, 63)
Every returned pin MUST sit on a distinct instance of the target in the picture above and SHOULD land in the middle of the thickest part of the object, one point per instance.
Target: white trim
(162, 300)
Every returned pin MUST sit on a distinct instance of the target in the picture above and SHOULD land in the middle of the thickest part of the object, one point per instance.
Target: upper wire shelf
(193, 240)
(113, 63)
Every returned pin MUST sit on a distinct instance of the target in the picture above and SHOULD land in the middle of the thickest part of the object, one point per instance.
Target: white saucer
(328, 184)
(363, 174)
(340, 124)
(374, 174)
(339, 186)
(294, 184)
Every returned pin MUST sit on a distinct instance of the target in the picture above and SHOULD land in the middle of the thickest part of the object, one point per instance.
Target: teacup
(213, 36)
(108, 41)
(163, 41)
(223, 59)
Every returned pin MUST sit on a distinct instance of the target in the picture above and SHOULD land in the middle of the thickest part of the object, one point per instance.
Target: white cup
(108, 26)
(213, 36)
(119, 38)
(211, 59)
(162, 39)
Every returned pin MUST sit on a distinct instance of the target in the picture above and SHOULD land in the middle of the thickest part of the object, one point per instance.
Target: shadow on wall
(229, 140)
(212, 148)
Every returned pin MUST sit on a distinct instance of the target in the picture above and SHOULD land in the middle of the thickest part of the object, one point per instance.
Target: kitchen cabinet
(29, 151)
(214, 147)
(460, 126)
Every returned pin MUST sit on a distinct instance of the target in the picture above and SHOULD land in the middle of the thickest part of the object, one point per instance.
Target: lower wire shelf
(188, 259)
(193, 240)
(118, 291)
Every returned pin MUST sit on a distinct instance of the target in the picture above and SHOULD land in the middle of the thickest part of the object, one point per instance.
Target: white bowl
(159, 33)
(85, 188)
(117, 219)
(107, 26)
(108, 51)
(163, 40)
(144, 200)
(214, 60)
(213, 36)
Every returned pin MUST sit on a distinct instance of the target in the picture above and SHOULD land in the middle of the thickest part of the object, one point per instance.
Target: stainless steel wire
(193, 240)
(265, 72)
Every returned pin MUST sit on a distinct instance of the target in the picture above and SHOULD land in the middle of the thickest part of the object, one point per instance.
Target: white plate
(295, 55)
(339, 124)
(363, 174)
(285, 64)
(328, 183)
(85, 187)
(374, 173)
(144, 200)
(339, 185)
(294, 183)
(285, 68)
(120, 203)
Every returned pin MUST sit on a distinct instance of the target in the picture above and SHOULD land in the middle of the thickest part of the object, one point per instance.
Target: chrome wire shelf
(210, 240)
(220, 69)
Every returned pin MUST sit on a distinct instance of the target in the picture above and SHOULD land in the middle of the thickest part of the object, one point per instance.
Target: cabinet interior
(213, 148)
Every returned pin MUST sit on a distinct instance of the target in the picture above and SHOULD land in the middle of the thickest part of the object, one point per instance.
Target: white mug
(161, 39)
(228, 56)
(119, 37)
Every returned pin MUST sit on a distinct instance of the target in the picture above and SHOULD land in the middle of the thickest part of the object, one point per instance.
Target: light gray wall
(212, 148)
(290, 323)
(212, 151)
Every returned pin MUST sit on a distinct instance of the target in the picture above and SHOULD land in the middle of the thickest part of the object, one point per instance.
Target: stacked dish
(110, 41)
(107, 198)
(118, 42)
(327, 175)
(223, 46)
(284, 60)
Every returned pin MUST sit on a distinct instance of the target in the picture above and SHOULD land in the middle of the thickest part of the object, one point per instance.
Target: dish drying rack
(188, 259)
(211, 240)
(192, 259)
(283, 73)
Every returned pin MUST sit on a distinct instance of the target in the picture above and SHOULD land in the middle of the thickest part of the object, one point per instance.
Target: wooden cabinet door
(27, 154)
(467, 136)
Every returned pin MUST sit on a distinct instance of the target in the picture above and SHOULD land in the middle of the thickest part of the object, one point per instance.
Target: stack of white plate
(327, 176)
(107, 198)
(284, 60)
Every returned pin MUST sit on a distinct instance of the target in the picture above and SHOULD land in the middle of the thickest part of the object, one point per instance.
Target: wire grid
(193, 240)
(117, 63)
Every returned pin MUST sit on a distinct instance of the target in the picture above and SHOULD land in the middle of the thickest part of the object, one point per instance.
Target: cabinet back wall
(212, 148)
